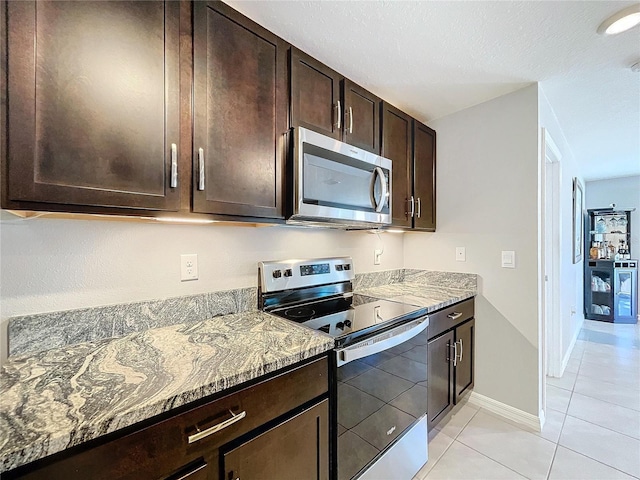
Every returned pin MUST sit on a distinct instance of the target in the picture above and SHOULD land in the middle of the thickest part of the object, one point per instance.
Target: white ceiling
(433, 58)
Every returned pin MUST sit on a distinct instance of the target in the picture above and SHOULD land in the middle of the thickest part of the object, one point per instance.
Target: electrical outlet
(461, 254)
(188, 267)
(377, 257)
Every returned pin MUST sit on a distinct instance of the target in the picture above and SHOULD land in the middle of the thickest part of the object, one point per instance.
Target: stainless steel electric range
(379, 379)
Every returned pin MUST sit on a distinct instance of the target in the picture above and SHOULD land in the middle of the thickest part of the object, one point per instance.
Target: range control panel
(287, 274)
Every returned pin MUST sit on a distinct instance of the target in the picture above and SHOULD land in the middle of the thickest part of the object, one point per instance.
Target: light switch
(508, 259)
(461, 254)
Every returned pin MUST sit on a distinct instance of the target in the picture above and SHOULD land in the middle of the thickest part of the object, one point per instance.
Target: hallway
(592, 429)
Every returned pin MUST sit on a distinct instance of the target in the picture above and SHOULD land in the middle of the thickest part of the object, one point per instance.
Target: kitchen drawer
(448, 318)
(163, 449)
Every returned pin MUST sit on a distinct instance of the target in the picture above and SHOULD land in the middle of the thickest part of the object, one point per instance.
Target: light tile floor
(592, 429)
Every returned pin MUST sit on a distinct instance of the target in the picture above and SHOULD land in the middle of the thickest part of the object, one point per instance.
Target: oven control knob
(340, 326)
(288, 272)
(325, 328)
(277, 273)
(347, 323)
(347, 266)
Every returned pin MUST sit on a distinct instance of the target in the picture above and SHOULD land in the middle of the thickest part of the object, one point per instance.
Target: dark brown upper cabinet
(411, 146)
(326, 102)
(93, 96)
(424, 176)
(240, 114)
(397, 146)
(361, 117)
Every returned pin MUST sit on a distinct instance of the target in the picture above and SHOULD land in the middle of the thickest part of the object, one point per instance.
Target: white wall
(487, 201)
(48, 265)
(625, 193)
(571, 275)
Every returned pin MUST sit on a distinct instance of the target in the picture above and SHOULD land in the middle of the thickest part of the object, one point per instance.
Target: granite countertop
(58, 398)
(428, 290)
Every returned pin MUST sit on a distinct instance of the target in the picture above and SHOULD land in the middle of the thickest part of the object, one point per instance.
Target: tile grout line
(498, 462)
(557, 446)
(454, 441)
(601, 426)
(597, 461)
(489, 458)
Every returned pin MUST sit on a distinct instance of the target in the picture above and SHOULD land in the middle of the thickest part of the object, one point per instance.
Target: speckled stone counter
(431, 290)
(58, 398)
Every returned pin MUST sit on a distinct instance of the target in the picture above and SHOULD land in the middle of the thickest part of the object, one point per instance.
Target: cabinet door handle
(350, 120)
(413, 207)
(216, 428)
(419, 208)
(174, 165)
(455, 353)
(454, 315)
(201, 169)
(460, 358)
(339, 122)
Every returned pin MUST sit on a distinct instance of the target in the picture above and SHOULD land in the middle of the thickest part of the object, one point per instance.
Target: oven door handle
(381, 342)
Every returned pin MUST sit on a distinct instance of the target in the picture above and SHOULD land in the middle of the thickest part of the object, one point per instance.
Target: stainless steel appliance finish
(379, 421)
(337, 183)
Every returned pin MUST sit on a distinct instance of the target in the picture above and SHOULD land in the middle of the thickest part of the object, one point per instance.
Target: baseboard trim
(567, 355)
(508, 412)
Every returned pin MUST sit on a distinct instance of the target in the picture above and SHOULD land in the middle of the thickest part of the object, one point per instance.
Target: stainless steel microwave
(335, 183)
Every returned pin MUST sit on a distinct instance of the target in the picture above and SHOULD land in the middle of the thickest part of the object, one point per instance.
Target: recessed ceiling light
(621, 21)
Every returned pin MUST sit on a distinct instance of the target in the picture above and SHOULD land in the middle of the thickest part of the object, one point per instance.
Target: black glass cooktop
(343, 317)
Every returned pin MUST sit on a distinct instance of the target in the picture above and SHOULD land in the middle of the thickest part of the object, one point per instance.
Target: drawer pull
(454, 315)
(216, 428)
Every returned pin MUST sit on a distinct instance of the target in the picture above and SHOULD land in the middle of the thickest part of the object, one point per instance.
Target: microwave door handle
(378, 174)
(382, 342)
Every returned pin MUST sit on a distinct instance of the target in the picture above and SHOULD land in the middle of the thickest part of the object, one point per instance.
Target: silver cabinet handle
(339, 122)
(216, 428)
(378, 174)
(191, 472)
(455, 353)
(174, 165)
(419, 208)
(460, 359)
(350, 120)
(382, 342)
(201, 169)
(454, 315)
(413, 207)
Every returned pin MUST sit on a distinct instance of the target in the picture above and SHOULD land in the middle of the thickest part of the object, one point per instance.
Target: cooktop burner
(299, 313)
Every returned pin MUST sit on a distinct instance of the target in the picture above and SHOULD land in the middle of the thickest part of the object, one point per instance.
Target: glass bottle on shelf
(594, 251)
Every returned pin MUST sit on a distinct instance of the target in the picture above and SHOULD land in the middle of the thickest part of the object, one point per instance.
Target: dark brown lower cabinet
(451, 351)
(440, 378)
(277, 428)
(277, 453)
(465, 336)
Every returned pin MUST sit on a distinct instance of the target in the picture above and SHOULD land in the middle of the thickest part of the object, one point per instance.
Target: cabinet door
(440, 378)
(361, 117)
(315, 96)
(396, 146)
(295, 449)
(465, 337)
(424, 176)
(94, 92)
(240, 108)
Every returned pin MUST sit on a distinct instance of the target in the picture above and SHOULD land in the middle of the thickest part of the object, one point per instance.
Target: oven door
(382, 404)
(338, 182)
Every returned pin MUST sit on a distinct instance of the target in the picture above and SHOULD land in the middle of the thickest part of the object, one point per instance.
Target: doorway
(552, 261)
